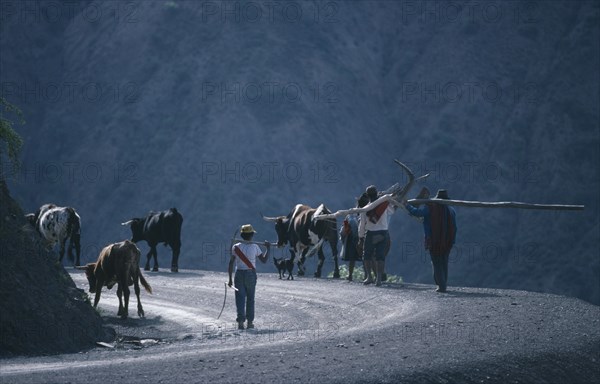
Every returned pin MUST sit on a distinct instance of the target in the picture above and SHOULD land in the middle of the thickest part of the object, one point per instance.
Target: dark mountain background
(228, 109)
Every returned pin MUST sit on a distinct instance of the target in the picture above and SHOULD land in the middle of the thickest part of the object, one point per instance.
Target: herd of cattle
(118, 263)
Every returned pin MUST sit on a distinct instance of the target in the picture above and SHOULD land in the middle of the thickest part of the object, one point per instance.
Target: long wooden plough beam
(396, 199)
(499, 204)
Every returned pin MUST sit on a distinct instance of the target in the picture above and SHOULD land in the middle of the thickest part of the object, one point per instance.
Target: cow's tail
(147, 286)
(74, 232)
(73, 223)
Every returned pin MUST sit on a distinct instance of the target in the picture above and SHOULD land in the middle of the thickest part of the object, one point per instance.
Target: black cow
(305, 234)
(159, 227)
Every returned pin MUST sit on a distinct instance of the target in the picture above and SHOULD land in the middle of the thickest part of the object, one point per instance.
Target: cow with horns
(158, 227)
(57, 225)
(304, 235)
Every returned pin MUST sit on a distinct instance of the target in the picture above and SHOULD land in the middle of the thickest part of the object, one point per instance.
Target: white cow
(56, 225)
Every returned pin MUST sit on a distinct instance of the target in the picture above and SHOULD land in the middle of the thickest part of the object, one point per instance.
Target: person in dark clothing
(349, 236)
(439, 225)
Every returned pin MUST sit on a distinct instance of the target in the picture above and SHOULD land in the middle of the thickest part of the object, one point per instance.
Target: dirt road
(311, 330)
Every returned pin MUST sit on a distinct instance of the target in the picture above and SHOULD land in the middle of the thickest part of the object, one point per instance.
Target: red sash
(375, 214)
(442, 230)
(243, 257)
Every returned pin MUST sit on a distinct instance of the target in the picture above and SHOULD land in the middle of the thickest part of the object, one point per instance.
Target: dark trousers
(440, 270)
(245, 282)
(376, 244)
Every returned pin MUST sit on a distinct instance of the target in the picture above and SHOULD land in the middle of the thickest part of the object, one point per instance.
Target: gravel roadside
(311, 330)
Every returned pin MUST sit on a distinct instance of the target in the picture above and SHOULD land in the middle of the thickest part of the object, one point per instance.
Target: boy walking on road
(243, 256)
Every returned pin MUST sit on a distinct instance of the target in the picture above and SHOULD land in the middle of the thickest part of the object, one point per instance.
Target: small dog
(280, 264)
(284, 265)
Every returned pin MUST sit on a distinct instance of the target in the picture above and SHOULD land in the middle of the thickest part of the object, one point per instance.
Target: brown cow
(118, 263)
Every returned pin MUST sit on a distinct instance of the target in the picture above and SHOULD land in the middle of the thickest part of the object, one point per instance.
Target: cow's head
(137, 229)
(281, 227)
(30, 217)
(90, 270)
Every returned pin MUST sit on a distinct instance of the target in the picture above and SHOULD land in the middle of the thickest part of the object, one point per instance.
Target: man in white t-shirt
(243, 256)
(374, 235)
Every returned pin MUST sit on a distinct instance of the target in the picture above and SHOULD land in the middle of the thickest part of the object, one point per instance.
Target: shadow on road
(167, 273)
(424, 288)
(133, 321)
(464, 294)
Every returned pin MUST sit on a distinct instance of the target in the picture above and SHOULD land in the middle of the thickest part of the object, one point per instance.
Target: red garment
(375, 214)
(442, 230)
(347, 228)
(243, 258)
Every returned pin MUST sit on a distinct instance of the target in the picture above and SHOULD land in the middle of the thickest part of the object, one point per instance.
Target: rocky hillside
(225, 110)
(42, 310)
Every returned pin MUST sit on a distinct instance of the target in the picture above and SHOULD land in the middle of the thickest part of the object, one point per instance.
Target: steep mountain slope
(42, 310)
(225, 110)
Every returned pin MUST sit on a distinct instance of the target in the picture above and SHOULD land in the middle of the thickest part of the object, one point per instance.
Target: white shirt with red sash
(250, 251)
(366, 224)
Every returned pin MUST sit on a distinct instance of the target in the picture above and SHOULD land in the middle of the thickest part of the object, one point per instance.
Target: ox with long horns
(304, 235)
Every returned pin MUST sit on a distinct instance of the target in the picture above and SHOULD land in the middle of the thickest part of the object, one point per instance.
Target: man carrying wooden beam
(374, 235)
(439, 225)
